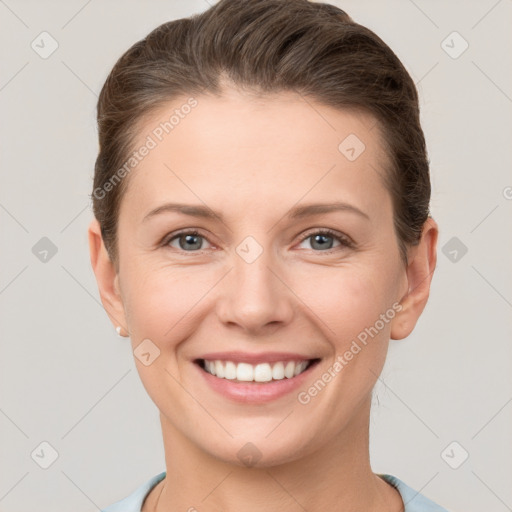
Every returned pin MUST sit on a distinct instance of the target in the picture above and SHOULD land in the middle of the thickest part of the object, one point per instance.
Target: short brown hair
(267, 46)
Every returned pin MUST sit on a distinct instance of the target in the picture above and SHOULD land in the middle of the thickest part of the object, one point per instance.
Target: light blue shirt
(414, 501)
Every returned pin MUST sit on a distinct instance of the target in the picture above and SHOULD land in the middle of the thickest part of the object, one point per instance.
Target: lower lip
(255, 392)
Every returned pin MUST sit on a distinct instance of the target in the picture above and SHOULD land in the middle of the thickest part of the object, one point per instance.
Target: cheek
(161, 302)
(346, 300)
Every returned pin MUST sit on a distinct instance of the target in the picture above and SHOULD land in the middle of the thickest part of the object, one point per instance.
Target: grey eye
(189, 241)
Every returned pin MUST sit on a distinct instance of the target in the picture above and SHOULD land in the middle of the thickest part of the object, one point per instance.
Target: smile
(262, 372)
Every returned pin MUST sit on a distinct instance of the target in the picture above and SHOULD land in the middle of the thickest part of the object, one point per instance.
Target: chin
(258, 451)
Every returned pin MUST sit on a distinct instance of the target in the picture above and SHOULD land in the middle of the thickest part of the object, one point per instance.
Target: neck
(336, 477)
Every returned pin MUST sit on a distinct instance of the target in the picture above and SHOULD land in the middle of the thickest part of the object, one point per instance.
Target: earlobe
(107, 278)
(420, 271)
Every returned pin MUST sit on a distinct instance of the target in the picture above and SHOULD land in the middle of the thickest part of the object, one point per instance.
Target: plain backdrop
(442, 415)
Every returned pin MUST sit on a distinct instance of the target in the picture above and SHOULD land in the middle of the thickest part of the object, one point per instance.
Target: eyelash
(344, 240)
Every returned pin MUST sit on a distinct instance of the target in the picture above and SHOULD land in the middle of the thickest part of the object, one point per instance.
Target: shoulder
(413, 500)
(133, 502)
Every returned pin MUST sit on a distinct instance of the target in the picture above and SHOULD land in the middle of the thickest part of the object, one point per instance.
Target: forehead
(245, 149)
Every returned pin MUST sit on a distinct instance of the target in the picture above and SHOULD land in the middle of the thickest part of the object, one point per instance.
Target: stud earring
(118, 330)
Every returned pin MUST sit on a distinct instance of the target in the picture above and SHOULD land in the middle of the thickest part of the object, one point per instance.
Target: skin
(253, 159)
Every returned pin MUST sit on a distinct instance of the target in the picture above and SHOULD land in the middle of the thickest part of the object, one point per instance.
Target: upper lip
(252, 358)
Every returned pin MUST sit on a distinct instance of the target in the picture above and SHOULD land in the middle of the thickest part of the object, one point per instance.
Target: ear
(420, 270)
(107, 277)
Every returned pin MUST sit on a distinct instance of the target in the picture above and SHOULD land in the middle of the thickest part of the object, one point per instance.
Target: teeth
(300, 367)
(289, 370)
(244, 371)
(210, 367)
(278, 371)
(219, 369)
(263, 372)
(230, 370)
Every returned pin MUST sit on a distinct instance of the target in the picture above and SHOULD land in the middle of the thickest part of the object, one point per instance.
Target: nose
(254, 295)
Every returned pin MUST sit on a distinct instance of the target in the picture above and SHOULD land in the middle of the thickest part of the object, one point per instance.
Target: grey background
(67, 379)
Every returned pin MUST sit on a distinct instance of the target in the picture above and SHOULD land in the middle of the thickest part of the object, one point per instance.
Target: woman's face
(261, 281)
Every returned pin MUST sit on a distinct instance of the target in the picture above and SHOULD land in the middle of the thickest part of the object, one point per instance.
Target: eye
(188, 241)
(323, 240)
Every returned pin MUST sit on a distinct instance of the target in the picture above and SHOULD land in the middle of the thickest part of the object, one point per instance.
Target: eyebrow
(298, 212)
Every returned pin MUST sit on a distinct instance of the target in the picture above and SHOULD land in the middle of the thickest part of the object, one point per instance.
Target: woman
(261, 231)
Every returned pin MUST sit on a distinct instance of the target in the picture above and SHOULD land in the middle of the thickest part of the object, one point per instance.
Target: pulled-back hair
(266, 46)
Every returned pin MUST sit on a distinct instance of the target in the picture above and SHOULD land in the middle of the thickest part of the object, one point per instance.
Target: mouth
(266, 372)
